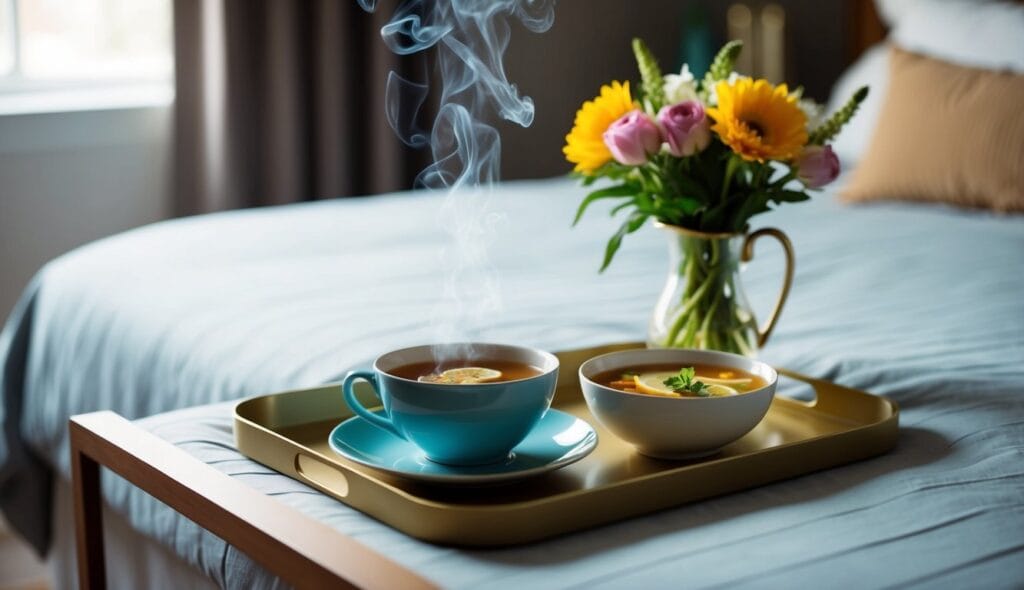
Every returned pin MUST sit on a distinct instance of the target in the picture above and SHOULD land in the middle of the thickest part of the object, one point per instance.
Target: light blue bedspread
(921, 303)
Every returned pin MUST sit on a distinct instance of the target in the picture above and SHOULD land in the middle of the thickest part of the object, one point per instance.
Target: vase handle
(748, 254)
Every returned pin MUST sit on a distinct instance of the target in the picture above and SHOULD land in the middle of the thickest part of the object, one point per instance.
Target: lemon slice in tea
(463, 376)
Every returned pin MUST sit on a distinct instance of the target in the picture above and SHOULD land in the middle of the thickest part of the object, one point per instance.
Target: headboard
(866, 29)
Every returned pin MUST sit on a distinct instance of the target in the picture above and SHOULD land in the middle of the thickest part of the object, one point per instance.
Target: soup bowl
(671, 427)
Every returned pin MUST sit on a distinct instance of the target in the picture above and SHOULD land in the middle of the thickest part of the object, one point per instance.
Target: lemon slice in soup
(718, 390)
(654, 383)
(463, 376)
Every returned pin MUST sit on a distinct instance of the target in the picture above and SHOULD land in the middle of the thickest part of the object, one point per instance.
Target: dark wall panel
(589, 44)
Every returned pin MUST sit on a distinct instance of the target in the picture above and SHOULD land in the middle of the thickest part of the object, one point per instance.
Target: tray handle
(844, 402)
(321, 474)
(341, 481)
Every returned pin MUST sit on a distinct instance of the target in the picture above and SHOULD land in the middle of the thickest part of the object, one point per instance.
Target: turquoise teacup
(458, 424)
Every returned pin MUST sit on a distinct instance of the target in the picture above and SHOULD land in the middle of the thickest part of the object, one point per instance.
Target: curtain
(279, 101)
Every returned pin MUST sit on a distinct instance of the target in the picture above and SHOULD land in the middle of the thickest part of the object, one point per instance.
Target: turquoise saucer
(558, 440)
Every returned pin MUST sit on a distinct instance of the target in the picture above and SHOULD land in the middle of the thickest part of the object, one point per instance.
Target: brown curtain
(283, 100)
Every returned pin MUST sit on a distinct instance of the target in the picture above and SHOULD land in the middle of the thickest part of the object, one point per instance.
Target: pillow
(946, 133)
(979, 33)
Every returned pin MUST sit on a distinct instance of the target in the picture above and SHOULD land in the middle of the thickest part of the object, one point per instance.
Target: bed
(171, 322)
(919, 303)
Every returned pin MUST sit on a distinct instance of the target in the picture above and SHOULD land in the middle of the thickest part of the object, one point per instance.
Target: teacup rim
(552, 359)
(666, 399)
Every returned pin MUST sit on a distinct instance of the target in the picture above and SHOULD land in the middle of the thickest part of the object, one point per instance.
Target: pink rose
(632, 138)
(817, 166)
(686, 128)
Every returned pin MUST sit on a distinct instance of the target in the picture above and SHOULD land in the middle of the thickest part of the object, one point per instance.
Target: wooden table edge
(302, 551)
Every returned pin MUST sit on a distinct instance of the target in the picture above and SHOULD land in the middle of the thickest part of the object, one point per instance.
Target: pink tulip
(632, 138)
(817, 166)
(685, 127)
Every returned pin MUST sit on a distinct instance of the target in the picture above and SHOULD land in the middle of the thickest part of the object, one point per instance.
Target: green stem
(730, 171)
(741, 342)
(680, 318)
(691, 329)
(688, 305)
(708, 315)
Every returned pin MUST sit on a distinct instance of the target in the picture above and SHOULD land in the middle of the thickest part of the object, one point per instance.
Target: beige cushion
(947, 134)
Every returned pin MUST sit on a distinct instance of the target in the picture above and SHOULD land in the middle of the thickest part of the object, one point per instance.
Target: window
(6, 40)
(97, 46)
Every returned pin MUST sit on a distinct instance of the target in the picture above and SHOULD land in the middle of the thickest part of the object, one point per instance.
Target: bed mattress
(921, 303)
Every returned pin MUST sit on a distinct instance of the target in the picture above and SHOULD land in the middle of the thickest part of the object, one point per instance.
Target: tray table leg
(303, 552)
(85, 481)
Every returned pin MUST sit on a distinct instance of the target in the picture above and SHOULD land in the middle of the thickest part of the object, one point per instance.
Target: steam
(469, 39)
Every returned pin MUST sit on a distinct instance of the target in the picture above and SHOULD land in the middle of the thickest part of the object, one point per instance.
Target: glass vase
(703, 304)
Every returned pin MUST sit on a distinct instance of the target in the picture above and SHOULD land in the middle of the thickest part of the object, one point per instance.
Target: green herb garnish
(684, 383)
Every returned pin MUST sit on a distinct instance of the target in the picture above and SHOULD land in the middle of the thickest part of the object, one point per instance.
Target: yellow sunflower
(758, 121)
(584, 146)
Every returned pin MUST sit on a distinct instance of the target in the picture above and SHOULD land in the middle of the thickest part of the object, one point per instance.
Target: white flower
(680, 87)
(815, 112)
(713, 92)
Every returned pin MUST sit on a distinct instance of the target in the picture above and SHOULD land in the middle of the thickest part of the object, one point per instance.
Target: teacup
(458, 424)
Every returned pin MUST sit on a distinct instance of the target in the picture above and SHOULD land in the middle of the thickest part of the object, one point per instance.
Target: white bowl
(676, 428)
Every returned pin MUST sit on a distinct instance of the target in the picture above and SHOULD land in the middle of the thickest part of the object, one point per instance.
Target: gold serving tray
(288, 432)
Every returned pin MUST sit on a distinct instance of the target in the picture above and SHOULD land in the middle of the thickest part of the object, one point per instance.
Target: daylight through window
(85, 41)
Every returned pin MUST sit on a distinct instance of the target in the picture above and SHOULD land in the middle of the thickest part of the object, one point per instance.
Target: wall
(589, 45)
(73, 177)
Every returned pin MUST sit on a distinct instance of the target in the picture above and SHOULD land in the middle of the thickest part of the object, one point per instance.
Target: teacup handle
(748, 254)
(348, 389)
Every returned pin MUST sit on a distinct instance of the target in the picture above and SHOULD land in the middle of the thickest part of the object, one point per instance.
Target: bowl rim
(772, 383)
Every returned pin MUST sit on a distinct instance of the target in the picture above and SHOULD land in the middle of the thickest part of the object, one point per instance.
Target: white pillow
(988, 35)
(978, 33)
(871, 69)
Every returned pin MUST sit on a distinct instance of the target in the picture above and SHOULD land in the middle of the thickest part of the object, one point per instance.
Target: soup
(669, 380)
(466, 372)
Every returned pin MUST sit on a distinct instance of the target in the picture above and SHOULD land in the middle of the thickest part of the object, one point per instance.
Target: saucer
(558, 440)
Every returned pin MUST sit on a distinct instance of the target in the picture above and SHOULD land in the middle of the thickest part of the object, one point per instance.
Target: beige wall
(70, 178)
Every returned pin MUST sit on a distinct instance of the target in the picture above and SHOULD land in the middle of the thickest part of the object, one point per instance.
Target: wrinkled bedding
(923, 304)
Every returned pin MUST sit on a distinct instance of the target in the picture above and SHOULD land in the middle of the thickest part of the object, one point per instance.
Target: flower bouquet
(701, 157)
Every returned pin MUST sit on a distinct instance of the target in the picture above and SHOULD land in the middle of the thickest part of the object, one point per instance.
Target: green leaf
(754, 204)
(689, 186)
(615, 210)
(684, 382)
(787, 196)
(612, 192)
(633, 223)
(676, 209)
